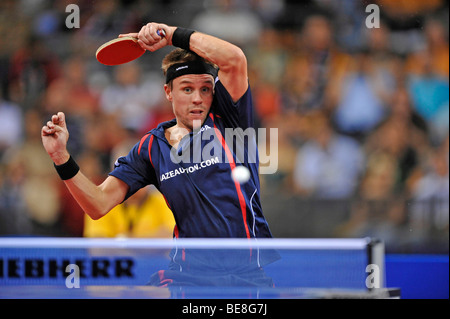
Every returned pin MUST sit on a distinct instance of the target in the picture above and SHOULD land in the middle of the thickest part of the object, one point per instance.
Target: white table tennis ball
(240, 174)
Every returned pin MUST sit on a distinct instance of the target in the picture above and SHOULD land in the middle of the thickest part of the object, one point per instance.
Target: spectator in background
(32, 68)
(11, 126)
(229, 20)
(11, 40)
(14, 218)
(417, 130)
(428, 82)
(71, 92)
(430, 96)
(379, 182)
(393, 140)
(328, 165)
(428, 88)
(106, 21)
(431, 188)
(314, 69)
(349, 17)
(103, 134)
(268, 10)
(385, 64)
(436, 47)
(282, 179)
(34, 181)
(161, 113)
(406, 20)
(402, 110)
(267, 63)
(378, 208)
(14, 28)
(127, 97)
(364, 94)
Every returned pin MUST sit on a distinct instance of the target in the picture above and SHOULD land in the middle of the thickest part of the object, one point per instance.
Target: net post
(375, 257)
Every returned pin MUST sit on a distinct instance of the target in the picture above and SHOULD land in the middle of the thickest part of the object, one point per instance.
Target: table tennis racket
(121, 50)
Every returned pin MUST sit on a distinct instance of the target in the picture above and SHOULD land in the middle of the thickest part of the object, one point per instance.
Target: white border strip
(197, 243)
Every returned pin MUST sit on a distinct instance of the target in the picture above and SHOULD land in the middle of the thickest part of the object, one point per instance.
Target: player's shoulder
(159, 130)
(143, 143)
(146, 141)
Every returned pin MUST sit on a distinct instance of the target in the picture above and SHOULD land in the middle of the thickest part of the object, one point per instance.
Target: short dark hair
(180, 56)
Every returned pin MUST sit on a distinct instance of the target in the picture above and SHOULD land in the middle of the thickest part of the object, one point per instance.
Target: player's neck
(174, 134)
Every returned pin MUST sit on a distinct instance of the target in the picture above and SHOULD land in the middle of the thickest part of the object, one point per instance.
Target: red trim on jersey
(150, 143)
(142, 142)
(230, 158)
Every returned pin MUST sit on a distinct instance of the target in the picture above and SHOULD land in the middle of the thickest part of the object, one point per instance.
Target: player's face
(191, 96)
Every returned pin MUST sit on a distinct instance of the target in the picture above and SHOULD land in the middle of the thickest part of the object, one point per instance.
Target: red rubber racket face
(119, 51)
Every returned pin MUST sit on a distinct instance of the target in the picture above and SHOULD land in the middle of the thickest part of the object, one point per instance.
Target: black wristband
(67, 170)
(181, 38)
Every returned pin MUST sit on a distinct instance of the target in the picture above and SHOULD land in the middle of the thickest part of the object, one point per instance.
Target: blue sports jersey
(195, 178)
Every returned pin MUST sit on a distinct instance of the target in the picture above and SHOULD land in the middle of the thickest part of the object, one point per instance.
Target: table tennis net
(314, 263)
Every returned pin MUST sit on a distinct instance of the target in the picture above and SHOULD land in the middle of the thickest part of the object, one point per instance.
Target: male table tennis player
(207, 84)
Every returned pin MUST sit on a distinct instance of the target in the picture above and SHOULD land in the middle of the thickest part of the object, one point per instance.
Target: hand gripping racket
(121, 50)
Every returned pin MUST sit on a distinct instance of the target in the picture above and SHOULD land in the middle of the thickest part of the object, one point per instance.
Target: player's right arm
(95, 200)
(230, 59)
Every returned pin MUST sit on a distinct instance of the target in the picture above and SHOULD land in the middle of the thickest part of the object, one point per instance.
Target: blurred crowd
(362, 113)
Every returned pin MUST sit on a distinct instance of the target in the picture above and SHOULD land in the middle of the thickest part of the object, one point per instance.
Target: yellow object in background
(143, 215)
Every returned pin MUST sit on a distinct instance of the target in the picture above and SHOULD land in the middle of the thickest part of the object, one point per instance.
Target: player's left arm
(228, 57)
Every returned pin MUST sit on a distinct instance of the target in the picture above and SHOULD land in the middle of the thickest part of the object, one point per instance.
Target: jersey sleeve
(235, 114)
(135, 169)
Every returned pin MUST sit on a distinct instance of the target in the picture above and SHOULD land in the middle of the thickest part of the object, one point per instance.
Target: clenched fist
(54, 138)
